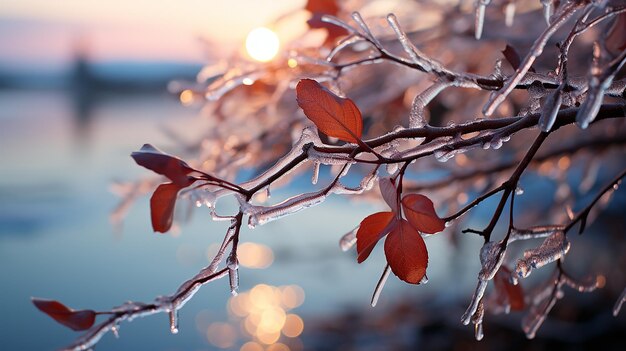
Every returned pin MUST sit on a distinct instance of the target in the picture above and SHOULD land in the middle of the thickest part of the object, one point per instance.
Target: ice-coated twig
(553, 248)
(535, 51)
(416, 115)
(380, 285)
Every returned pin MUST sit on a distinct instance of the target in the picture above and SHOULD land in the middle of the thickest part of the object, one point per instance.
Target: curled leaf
(334, 116)
(73, 319)
(372, 229)
(162, 205)
(512, 57)
(406, 253)
(420, 212)
(153, 159)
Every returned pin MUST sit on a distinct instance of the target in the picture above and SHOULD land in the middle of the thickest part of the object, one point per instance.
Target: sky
(44, 34)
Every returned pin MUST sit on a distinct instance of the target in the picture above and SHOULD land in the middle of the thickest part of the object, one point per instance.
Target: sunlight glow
(262, 44)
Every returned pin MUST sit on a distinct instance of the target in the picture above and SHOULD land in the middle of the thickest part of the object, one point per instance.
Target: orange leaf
(372, 229)
(504, 288)
(329, 7)
(334, 116)
(406, 253)
(420, 212)
(162, 205)
(76, 320)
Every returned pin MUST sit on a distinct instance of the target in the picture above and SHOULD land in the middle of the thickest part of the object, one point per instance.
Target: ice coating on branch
(553, 248)
(259, 215)
(618, 304)
(537, 315)
(491, 257)
(316, 173)
(588, 285)
(338, 22)
(226, 84)
(477, 320)
(348, 240)
(479, 20)
(533, 232)
(416, 115)
(366, 30)
(349, 41)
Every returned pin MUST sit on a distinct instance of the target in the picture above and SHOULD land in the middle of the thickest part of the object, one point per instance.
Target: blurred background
(85, 83)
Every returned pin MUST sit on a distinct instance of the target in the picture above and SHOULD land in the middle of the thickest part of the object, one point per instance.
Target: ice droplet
(486, 145)
(392, 168)
(424, 279)
(519, 190)
(448, 224)
(116, 331)
(618, 304)
(348, 240)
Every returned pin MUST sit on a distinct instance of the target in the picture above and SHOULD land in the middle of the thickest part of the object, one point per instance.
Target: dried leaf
(371, 230)
(334, 116)
(328, 7)
(162, 205)
(406, 253)
(73, 319)
(420, 212)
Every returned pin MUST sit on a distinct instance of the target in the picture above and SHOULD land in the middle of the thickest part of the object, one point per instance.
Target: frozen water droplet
(198, 203)
(116, 331)
(496, 144)
(448, 224)
(348, 240)
(486, 145)
(268, 192)
(424, 279)
(519, 190)
(392, 168)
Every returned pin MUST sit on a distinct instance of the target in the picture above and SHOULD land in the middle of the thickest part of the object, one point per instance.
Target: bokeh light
(262, 44)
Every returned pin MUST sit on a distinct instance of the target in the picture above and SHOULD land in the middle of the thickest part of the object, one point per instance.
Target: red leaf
(162, 205)
(504, 288)
(334, 116)
(173, 168)
(329, 7)
(406, 253)
(420, 212)
(76, 320)
(372, 229)
(389, 192)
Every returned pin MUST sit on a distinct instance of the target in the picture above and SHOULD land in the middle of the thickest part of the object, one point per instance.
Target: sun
(262, 44)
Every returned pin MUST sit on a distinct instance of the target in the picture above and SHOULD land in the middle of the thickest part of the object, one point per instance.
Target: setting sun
(262, 44)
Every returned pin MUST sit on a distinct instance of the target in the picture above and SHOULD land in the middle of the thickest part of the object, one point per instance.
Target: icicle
(379, 286)
(550, 110)
(480, 17)
(268, 192)
(547, 10)
(316, 172)
(476, 299)
(477, 319)
(509, 13)
(348, 240)
(618, 304)
(174, 320)
(491, 257)
(553, 247)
